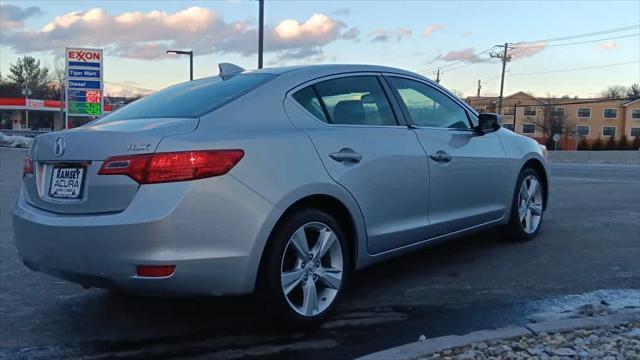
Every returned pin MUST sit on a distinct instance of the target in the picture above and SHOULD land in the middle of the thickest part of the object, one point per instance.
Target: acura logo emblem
(58, 147)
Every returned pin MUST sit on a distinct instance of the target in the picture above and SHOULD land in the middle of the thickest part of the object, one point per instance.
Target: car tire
(291, 274)
(527, 207)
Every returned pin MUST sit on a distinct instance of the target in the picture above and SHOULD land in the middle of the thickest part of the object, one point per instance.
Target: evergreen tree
(597, 145)
(29, 70)
(623, 144)
(583, 144)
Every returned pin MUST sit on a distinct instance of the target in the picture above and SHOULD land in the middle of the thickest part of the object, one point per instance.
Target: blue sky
(394, 33)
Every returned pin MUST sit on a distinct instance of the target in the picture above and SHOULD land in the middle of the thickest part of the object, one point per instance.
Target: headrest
(349, 112)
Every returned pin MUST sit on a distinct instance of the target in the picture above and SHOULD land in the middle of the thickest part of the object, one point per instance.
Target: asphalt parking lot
(590, 242)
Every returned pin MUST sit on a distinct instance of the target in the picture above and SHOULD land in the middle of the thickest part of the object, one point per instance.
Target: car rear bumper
(212, 230)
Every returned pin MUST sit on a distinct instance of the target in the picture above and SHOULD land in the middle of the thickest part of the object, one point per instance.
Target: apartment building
(579, 118)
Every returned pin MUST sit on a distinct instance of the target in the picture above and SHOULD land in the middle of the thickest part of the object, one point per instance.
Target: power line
(131, 87)
(602, 32)
(576, 69)
(581, 42)
(484, 81)
(595, 33)
(458, 61)
(556, 45)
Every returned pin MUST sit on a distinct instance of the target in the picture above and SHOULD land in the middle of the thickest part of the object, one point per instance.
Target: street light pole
(260, 32)
(190, 65)
(184, 52)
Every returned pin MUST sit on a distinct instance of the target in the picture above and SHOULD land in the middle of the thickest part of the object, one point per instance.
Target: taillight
(27, 167)
(155, 270)
(172, 166)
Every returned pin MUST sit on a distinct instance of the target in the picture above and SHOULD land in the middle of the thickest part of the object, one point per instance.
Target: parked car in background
(277, 181)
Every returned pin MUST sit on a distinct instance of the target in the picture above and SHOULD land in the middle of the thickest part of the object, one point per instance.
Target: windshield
(190, 99)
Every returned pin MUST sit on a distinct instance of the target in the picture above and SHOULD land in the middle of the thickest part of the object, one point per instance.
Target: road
(589, 244)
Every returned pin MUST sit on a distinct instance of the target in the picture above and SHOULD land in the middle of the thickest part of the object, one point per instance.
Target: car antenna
(227, 69)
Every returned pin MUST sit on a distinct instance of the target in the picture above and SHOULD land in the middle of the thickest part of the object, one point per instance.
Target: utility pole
(505, 58)
(62, 92)
(260, 33)
(438, 76)
(26, 92)
(515, 113)
(479, 87)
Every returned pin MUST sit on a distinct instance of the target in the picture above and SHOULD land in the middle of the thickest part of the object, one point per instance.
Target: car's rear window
(190, 99)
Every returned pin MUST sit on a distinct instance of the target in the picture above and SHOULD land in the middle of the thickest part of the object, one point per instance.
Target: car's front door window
(429, 107)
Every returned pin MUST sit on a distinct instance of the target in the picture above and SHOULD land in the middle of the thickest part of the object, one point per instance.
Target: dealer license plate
(66, 182)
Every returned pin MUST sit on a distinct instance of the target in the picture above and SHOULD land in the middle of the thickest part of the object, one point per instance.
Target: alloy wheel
(312, 268)
(530, 204)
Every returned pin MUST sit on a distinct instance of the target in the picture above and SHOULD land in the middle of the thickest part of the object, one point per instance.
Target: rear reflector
(173, 166)
(155, 270)
(27, 167)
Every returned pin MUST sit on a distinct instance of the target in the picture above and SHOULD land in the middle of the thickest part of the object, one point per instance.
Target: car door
(467, 170)
(364, 148)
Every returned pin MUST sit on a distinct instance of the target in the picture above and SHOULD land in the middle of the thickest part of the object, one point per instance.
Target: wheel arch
(539, 167)
(343, 211)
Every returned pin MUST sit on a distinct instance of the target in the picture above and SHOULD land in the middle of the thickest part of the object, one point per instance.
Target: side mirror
(488, 122)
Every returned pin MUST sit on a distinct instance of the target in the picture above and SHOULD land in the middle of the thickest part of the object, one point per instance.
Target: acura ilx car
(276, 181)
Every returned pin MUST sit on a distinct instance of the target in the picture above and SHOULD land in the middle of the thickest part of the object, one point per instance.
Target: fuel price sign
(84, 82)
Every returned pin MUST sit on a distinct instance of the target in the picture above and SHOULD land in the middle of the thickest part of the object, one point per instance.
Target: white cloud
(429, 30)
(13, 17)
(383, 35)
(609, 45)
(463, 54)
(341, 12)
(351, 34)
(299, 56)
(527, 50)
(117, 90)
(146, 35)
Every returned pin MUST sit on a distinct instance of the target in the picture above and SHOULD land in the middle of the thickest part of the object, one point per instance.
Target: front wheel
(527, 207)
(305, 267)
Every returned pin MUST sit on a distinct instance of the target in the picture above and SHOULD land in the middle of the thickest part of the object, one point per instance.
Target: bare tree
(56, 81)
(614, 92)
(553, 121)
(457, 93)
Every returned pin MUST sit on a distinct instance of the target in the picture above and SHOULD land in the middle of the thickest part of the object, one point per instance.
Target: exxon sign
(84, 57)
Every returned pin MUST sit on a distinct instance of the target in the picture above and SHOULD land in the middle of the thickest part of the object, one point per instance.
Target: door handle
(346, 155)
(441, 156)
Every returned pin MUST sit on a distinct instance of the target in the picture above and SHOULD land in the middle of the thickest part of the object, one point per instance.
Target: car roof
(323, 69)
(298, 74)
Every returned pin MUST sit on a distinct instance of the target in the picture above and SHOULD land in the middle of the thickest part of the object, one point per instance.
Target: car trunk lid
(65, 176)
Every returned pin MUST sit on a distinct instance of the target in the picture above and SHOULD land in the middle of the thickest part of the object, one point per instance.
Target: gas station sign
(84, 82)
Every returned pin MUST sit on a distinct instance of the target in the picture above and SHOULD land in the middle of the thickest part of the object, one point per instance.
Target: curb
(434, 345)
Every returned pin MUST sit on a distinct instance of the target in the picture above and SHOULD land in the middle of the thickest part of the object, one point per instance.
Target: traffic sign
(84, 90)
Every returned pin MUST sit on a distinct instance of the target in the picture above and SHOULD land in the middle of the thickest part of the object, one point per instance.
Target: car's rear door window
(352, 100)
(190, 99)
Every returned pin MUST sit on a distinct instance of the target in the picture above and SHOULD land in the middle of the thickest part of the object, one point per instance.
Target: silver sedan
(277, 181)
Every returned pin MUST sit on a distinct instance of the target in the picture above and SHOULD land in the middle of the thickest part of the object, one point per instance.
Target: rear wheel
(305, 267)
(527, 207)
